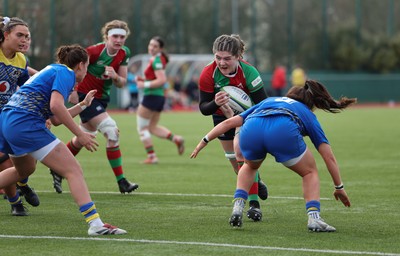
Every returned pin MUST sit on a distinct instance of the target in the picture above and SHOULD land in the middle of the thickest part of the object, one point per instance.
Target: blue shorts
(153, 102)
(276, 135)
(22, 133)
(97, 107)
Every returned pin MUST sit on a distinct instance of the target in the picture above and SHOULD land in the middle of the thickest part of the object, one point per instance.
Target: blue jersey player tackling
(277, 126)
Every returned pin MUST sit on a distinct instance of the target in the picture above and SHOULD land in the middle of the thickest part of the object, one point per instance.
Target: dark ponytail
(162, 43)
(315, 95)
(71, 55)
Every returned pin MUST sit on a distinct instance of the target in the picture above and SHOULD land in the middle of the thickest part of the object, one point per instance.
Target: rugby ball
(239, 100)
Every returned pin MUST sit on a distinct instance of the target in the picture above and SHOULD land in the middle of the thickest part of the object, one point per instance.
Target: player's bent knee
(144, 135)
(108, 127)
(142, 124)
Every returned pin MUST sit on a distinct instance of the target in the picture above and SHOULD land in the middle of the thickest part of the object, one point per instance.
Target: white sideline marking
(271, 248)
(180, 194)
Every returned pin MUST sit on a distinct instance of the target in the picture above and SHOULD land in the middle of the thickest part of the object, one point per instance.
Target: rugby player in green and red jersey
(107, 67)
(229, 69)
(150, 108)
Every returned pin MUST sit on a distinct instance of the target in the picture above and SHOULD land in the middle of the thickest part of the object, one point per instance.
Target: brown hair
(7, 24)
(71, 55)
(161, 43)
(229, 43)
(315, 95)
(114, 24)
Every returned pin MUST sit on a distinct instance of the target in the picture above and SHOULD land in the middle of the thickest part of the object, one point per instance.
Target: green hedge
(368, 88)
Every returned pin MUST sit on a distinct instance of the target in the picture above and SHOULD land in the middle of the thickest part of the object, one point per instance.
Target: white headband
(6, 20)
(117, 31)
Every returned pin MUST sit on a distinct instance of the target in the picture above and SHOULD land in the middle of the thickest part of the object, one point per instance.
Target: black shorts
(97, 107)
(153, 102)
(229, 135)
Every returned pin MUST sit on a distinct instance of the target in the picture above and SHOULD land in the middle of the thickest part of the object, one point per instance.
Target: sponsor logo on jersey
(4, 87)
(159, 66)
(256, 81)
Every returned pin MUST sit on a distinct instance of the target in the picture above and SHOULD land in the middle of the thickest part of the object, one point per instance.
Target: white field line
(183, 195)
(267, 248)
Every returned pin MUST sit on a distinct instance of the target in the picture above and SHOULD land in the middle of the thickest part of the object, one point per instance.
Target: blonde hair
(114, 24)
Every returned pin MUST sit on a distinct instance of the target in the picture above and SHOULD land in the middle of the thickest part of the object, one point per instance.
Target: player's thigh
(62, 161)
(94, 122)
(155, 118)
(236, 147)
(305, 165)
(25, 165)
(227, 145)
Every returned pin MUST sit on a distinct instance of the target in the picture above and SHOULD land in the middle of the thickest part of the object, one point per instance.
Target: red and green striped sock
(115, 158)
(74, 150)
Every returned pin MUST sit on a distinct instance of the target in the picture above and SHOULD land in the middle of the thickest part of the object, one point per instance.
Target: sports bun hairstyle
(71, 55)
(314, 95)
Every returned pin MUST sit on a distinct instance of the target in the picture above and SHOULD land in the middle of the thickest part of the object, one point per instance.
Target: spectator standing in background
(278, 81)
(298, 77)
(192, 92)
(133, 90)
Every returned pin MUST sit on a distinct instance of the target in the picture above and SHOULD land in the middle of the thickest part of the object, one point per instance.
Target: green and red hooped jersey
(95, 78)
(158, 62)
(246, 78)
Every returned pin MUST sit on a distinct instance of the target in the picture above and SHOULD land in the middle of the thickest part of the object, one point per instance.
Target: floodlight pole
(5, 7)
(235, 17)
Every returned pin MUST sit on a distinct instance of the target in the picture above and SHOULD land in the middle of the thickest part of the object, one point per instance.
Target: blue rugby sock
(240, 193)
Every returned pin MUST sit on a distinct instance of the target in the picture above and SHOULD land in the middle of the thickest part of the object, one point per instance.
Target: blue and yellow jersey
(13, 73)
(34, 96)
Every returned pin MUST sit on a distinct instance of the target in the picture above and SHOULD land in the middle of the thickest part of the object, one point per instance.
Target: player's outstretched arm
(221, 128)
(333, 168)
